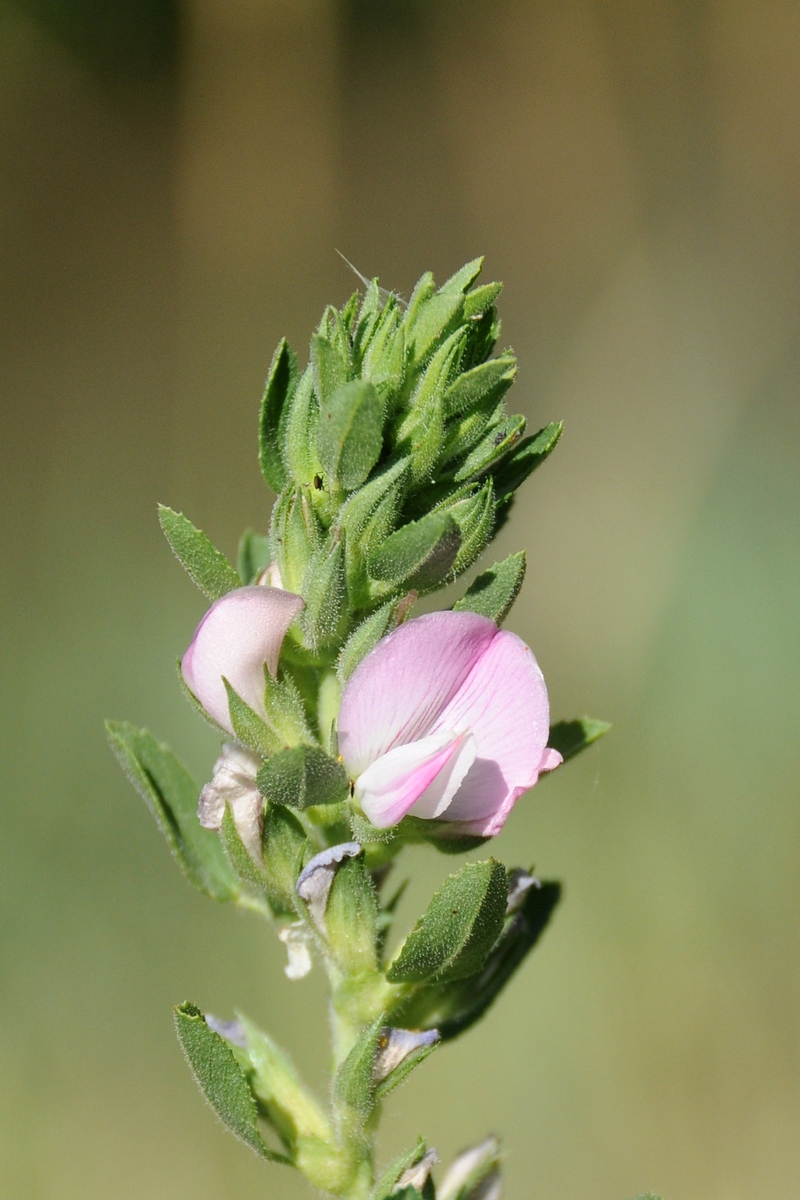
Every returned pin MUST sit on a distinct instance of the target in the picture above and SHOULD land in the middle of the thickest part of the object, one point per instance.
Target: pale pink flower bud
(447, 718)
(479, 1166)
(417, 1176)
(239, 634)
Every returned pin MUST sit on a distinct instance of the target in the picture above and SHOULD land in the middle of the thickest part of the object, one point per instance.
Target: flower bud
(417, 1176)
(395, 1046)
(475, 1174)
(316, 879)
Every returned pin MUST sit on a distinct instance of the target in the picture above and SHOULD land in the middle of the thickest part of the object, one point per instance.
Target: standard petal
(504, 703)
(398, 692)
(392, 785)
(237, 636)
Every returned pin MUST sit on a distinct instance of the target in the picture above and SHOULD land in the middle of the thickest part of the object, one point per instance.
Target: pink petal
(504, 703)
(237, 636)
(550, 760)
(399, 691)
(396, 781)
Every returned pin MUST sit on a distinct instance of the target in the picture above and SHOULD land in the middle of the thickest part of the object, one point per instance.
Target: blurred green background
(174, 181)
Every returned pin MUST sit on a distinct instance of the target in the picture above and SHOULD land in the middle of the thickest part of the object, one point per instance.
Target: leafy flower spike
(446, 718)
(238, 636)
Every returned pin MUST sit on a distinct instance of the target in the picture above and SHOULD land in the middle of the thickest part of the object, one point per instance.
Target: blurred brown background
(174, 183)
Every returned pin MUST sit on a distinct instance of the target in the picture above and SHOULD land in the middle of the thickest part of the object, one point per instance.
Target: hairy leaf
(171, 795)
(208, 567)
(461, 924)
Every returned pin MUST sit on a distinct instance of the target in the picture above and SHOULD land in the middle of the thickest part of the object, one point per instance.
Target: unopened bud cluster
(392, 454)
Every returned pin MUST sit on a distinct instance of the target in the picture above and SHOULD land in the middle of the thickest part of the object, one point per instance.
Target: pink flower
(446, 718)
(236, 638)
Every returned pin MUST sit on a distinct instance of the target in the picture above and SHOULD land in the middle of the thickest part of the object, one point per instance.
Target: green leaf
(351, 918)
(221, 1079)
(353, 1086)
(525, 458)
(454, 1007)
(302, 777)
(278, 392)
(461, 924)
(171, 795)
(480, 300)
(570, 737)
(350, 433)
(493, 592)
(389, 1177)
(250, 729)
(290, 1106)
(420, 554)
(495, 444)
(254, 555)
(483, 385)
(208, 567)
(463, 278)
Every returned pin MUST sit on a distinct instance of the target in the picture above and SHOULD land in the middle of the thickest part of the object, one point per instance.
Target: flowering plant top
(353, 727)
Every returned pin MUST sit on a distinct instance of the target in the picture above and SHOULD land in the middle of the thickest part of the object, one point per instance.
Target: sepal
(295, 536)
(499, 439)
(351, 918)
(418, 555)
(325, 592)
(388, 1178)
(524, 459)
(284, 845)
(208, 567)
(302, 777)
(250, 729)
(483, 386)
